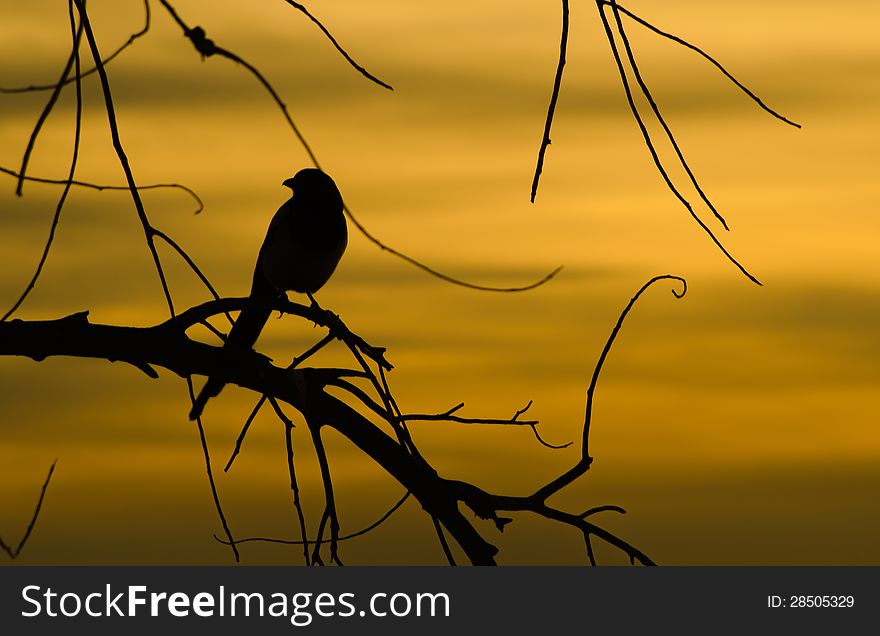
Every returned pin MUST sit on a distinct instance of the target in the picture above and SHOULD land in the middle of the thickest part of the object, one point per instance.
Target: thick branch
(166, 345)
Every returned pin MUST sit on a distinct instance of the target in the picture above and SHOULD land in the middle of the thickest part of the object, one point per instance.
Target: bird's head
(311, 181)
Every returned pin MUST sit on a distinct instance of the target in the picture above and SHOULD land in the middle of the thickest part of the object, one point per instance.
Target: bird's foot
(314, 302)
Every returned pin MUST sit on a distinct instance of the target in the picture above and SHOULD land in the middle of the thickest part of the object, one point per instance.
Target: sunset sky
(738, 425)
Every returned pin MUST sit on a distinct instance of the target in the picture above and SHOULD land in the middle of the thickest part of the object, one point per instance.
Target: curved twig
(660, 119)
(100, 187)
(47, 109)
(653, 151)
(708, 57)
(13, 553)
(120, 152)
(585, 460)
(438, 274)
(94, 69)
(346, 537)
(360, 69)
(76, 34)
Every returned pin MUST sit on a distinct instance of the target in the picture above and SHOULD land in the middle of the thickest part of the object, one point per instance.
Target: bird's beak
(288, 183)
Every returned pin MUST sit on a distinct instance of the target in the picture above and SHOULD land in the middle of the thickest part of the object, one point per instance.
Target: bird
(303, 245)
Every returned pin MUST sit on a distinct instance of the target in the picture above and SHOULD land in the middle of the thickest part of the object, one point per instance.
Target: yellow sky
(738, 425)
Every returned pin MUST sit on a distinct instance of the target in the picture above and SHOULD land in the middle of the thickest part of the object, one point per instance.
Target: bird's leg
(329, 316)
(282, 296)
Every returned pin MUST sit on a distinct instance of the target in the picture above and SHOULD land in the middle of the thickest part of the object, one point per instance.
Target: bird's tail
(242, 336)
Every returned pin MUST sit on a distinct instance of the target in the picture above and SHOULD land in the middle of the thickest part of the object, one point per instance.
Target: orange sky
(738, 425)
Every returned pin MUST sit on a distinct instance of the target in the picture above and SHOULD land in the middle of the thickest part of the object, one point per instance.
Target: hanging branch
(47, 110)
(360, 69)
(708, 57)
(131, 40)
(557, 83)
(76, 34)
(659, 117)
(294, 488)
(149, 234)
(631, 62)
(13, 553)
(99, 187)
(655, 156)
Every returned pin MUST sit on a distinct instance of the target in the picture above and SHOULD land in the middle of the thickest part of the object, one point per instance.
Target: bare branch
(557, 83)
(294, 488)
(47, 109)
(120, 152)
(598, 509)
(585, 460)
(131, 40)
(360, 69)
(167, 345)
(99, 187)
(76, 34)
(210, 472)
(708, 57)
(652, 150)
(13, 554)
(660, 119)
(346, 537)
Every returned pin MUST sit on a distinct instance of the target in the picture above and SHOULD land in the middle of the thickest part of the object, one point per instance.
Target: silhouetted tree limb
(554, 96)
(74, 62)
(631, 65)
(360, 69)
(168, 346)
(100, 187)
(346, 537)
(708, 57)
(131, 40)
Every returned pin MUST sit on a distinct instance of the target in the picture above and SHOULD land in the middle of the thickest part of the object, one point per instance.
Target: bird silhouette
(303, 245)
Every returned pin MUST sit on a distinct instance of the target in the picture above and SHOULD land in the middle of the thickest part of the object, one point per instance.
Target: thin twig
(660, 119)
(327, 481)
(338, 46)
(557, 83)
(13, 554)
(99, 187)
(656, 158)
(107, 60)
(192, 265)
(210, 471)
(346, 537)
(243, 433)
(594, 380)
(444, 544)
(47, 110)
(437, 273)
(708, 57)
(294, 487)
(585, 460)
(120, 152)
(76, 35)
(598, 509)
(589, 543)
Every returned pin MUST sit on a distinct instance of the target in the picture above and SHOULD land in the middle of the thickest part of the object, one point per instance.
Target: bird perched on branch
(303, 245)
